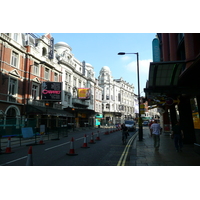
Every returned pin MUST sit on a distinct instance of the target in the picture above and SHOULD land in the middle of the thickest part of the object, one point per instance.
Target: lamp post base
(140, 133)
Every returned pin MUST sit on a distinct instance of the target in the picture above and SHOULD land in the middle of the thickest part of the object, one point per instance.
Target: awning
(163, 78)
(34, 110)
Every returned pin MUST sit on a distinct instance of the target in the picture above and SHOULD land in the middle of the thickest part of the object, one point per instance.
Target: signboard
(51, 52)
(99, 116)
(84, 93)
(51, 91)
(142, 109)
(156, 50)
(195, 113)
(27, 132)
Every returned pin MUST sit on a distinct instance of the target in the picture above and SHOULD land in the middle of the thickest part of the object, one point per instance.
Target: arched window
(44, 51)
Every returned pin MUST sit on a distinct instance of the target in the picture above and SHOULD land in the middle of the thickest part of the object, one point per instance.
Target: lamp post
(140, 119)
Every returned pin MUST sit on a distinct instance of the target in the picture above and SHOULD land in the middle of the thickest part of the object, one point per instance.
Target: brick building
(174, 84)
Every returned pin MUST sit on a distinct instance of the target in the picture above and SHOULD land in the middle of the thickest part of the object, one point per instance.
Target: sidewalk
(143, 153)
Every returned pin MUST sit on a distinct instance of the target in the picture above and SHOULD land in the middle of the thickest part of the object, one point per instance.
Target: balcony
(80, 103)
(42, 104)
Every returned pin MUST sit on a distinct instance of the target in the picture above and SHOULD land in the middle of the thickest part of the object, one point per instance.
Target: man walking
(156, 131)
(177, 134)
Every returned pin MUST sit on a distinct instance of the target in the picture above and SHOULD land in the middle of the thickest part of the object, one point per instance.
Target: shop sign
(51, 91)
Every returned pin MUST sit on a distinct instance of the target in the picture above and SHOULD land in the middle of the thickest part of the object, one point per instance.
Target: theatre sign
(51, 91)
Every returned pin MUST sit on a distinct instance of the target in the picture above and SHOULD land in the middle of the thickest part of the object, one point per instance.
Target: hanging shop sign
(84, 93)
(51, 52)
(51, 91)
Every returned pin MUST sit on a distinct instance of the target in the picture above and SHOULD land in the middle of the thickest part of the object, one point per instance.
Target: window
(55, 77)
(46, 75)
(66, 86)
(15, 36)
(36, 69)
(107, 106)
(107, 97)
(35, 92)
(14, 61)
(44, 51)
(79, 84)
(12, 89)
(74, 83)
(66, 76)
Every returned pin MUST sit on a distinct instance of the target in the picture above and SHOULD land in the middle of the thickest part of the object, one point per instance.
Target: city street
(106, 152)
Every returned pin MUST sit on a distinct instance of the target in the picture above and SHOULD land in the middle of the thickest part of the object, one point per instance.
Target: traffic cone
(98, 138)
(85, 142)
(71, 151)
(8, 148)
(41, 139)
(92, 139)
(29, 161)
(106, 133)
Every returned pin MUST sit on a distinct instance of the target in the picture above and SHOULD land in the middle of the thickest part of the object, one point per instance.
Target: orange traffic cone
(92, 139)
(8, 148)
(106, 133)
(85, 142)
(98, 138)
(71, 151)
(41, 139)
(29, 161)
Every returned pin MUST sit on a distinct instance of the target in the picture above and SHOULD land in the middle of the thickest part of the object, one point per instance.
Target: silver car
(130, 124)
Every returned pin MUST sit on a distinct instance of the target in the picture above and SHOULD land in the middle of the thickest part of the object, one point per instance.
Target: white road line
(62, 144)
(57, 146)
(14, 160)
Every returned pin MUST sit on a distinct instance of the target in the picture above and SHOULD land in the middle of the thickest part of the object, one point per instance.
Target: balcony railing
(80, 102)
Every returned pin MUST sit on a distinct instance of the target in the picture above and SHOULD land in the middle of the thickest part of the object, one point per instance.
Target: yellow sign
(84, 93)
(142, 108)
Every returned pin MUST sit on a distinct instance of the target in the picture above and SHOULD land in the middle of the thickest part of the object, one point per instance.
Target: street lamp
(140, 120)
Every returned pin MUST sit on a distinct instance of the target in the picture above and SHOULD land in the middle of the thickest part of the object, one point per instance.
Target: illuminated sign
(51, 91)
(84, 93)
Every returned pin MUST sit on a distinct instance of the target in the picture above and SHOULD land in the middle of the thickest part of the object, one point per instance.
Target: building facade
(173, 83)
(40, 83)
(117, 98)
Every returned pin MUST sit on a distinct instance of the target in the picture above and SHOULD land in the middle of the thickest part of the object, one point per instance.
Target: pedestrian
(150, 123)
(177, 135)
(156, 131)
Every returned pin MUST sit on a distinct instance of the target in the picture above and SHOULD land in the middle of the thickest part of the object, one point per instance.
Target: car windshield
(128, 122)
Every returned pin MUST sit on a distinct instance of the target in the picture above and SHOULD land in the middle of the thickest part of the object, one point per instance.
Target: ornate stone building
(117, 98)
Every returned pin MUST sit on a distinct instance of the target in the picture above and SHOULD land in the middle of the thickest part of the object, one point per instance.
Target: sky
(101, 49)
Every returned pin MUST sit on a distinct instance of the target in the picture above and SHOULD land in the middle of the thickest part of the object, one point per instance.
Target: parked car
(130, 124)
(145, 123)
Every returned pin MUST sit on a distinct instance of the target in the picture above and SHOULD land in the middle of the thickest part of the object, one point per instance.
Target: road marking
(123, 157)
(14, 160)
(56, 146)
(62, 144)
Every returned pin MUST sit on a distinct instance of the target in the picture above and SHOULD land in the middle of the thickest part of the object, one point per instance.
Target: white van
(130, 124)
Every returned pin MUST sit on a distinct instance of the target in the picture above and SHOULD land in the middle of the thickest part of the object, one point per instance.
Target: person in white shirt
(156, 131)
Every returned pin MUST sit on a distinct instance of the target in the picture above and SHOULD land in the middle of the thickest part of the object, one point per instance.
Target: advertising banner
(51, 91)
(84, 93)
